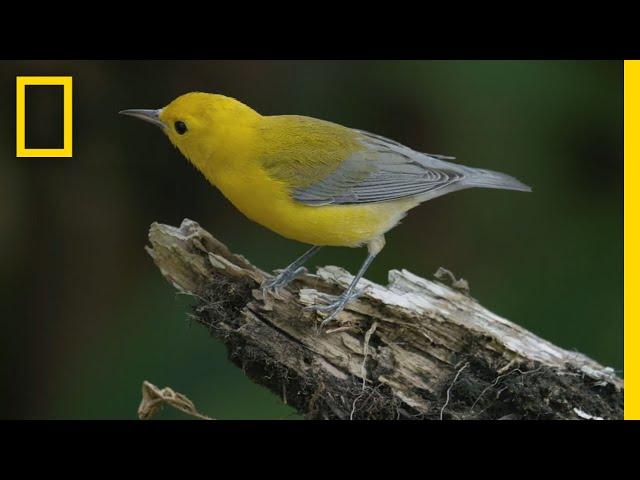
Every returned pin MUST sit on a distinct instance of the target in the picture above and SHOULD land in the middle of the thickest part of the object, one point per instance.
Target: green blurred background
(86, 316)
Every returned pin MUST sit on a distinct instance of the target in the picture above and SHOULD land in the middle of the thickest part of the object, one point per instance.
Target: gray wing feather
(382, 171)
(381, 141)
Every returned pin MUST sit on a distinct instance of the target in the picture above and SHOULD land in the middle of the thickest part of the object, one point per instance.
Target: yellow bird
(310, 180)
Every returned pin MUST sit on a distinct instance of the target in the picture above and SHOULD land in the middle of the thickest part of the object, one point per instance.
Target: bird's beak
(151, 116)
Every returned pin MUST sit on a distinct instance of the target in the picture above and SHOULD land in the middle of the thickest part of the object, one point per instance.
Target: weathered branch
(412, 349)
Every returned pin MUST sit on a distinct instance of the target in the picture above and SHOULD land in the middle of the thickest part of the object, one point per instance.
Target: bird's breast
(268, 202)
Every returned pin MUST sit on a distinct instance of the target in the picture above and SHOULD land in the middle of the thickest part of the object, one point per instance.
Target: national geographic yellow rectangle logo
(21, 149)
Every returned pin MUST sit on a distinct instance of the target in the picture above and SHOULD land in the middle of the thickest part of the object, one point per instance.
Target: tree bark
(412, 349)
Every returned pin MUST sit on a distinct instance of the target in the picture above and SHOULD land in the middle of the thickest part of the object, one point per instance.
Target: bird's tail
(476, 177)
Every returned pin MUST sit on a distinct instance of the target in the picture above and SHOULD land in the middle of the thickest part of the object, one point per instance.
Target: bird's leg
(336, 307)
(288, 274)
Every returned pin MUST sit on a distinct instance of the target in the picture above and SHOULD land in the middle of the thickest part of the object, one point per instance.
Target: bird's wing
(380, 170)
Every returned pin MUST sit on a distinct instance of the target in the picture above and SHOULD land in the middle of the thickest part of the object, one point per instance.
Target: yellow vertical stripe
(631, 239)
(68, 117)
(20, 146)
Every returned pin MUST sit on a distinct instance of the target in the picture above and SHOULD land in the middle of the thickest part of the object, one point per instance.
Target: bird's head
(202, 125)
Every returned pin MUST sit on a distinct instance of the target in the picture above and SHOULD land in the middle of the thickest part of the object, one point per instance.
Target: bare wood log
(412, 349)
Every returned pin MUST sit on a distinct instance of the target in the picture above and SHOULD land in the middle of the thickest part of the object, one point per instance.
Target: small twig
(340, 329)
(153, 398)
(450, 387)
(367, 338)
(459, 284)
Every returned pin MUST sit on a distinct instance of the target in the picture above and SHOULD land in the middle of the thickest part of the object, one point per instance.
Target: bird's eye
(180, 127)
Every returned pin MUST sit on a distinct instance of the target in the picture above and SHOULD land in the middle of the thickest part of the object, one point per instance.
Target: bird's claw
(273, 284)
(334, 308)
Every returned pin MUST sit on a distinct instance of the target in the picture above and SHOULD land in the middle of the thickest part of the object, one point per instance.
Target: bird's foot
(334, 308)
(273, 284)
